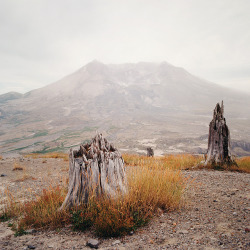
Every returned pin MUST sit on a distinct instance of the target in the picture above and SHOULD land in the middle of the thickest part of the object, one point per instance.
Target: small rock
(213, 239)
(160, 211)
(31, 231)
(3, 175)
(116, 242)
(247, 229)
(197, 209)
(234, 213)
(131, 232)
(93, 243)
(6, 243)
(247, 208)
(215, 200)
(31, 247)
(234, 190)
(182, 231)
(163, 225)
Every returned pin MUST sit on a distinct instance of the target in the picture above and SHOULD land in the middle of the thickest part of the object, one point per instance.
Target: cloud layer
(43, 40)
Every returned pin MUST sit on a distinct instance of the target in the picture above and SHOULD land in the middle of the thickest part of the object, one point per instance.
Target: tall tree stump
(96, 168)
(219, 139)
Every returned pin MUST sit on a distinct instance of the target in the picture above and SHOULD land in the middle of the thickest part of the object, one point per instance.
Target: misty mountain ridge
(10, 96)
(136, 105)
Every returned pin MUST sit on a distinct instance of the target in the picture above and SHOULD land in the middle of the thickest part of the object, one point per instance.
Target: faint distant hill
(10, 96)
(136, 105)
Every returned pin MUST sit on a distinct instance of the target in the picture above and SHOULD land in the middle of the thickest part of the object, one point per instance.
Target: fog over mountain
(135, 105)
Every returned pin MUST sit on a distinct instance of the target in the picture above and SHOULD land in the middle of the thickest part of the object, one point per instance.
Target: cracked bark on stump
(219, 152)
(96, 168)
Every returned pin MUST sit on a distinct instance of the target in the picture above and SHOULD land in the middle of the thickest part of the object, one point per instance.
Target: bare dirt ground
(215, 214)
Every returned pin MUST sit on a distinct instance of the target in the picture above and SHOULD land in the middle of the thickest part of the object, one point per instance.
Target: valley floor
(215, 213)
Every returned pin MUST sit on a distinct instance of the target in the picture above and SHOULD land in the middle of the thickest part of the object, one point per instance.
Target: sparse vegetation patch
(149, 188)
(243, 164)
(178, 162)
(186, 162)
(40, 133)
(17, 166)
(56, 155)
(154, 183)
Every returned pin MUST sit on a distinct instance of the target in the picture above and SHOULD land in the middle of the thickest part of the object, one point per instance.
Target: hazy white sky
(43, 40)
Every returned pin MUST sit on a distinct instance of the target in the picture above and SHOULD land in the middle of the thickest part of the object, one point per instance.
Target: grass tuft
(12, 208)
(56, 155)
(43, 212)
(19, 232)
(17, 166)
(25, 177)
(243, 164)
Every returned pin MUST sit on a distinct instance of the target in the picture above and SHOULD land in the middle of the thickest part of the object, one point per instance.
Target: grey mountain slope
(10, 96)
(128, 101)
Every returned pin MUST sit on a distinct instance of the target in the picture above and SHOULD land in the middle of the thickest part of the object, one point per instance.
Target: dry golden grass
(17, 166)
(43, 212)
(241, 168)
(179, 162)
(184, 161)
(150, 187)
(25, 177)
(49, 155)
(161, 187)
(12, 209)
(156, 183)
(1, 157)
(243, 164)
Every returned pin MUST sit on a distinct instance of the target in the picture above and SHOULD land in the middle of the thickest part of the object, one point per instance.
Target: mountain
(10, 96)
(135, 105)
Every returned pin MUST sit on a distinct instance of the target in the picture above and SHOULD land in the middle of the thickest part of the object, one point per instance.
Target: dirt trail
(216, 214)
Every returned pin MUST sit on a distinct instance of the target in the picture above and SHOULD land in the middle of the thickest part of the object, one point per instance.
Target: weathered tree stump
(96, 168)
(219, 139)
(150, 152)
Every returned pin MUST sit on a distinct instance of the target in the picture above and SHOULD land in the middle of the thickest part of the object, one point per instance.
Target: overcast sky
(43, 40)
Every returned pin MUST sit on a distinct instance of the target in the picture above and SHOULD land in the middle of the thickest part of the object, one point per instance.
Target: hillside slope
(134, 104)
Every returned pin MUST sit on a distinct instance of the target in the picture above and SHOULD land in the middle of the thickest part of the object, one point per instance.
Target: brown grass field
(155, 184)
(184, 162)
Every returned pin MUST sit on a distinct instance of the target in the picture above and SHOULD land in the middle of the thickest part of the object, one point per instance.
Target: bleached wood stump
(96, 168)
(219, 139)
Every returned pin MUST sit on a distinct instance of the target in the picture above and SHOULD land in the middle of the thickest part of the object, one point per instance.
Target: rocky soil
(215, 212)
